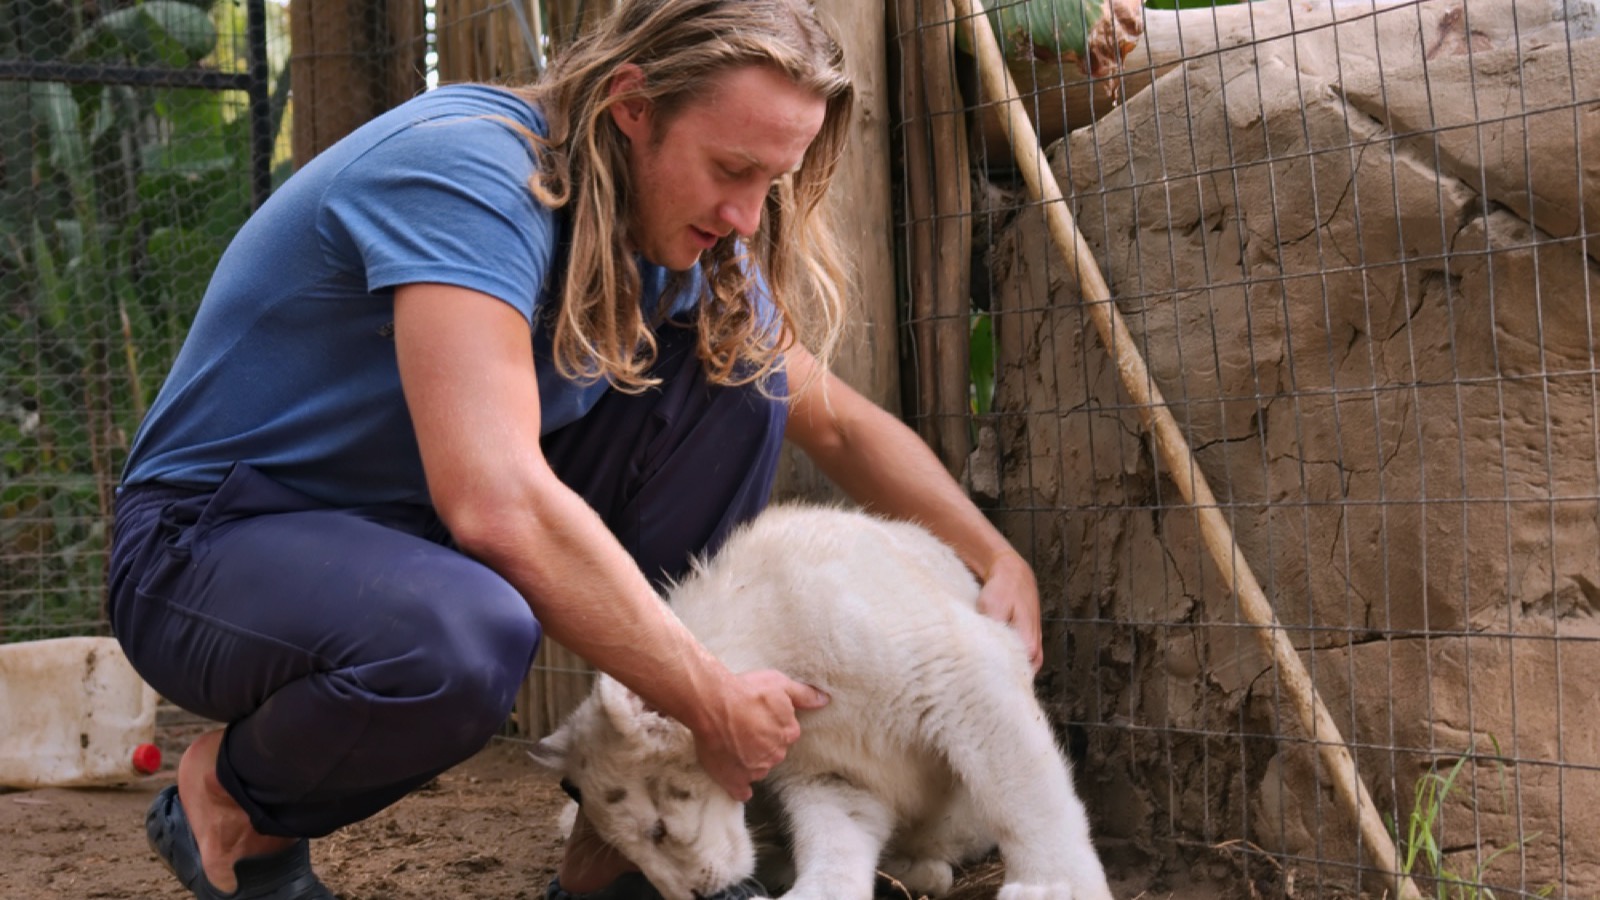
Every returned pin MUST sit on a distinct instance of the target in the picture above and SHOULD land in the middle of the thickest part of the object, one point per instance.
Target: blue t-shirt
(290, 364)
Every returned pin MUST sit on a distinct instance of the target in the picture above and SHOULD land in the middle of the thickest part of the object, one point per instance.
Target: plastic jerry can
(73, 712)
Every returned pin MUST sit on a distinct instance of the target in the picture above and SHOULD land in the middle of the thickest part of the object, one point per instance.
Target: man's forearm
(590, 596)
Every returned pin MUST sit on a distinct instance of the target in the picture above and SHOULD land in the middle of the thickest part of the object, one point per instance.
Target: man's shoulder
(458, 119)
(470, 101)
(440, 130)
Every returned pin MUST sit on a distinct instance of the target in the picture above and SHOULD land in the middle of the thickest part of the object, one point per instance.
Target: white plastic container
(73, 712)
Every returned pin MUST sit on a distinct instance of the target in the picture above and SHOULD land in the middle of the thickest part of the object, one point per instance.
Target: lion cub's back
(826, 594)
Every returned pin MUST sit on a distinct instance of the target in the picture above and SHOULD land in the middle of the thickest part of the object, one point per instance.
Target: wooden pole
(487, 41)
(352, 60)
(1176, 455)
(938, 191)
(859, 202)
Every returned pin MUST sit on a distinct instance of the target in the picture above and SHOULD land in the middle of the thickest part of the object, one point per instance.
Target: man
(487, 369)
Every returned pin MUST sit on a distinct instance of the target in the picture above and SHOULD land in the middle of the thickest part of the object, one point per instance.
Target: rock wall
(1371, 302)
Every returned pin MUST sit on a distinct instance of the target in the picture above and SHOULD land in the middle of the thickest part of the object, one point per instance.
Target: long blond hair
(680, 46)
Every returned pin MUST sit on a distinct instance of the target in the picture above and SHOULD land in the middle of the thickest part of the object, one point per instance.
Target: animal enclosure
(1354, 246)
(134, 140)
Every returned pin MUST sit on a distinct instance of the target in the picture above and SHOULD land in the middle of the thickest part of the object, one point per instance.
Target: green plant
(981, 363)
(1421, 853)
(115, 204)
(1189, 4)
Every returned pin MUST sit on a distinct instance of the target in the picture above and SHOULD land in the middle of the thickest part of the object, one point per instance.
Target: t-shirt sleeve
(443, 200)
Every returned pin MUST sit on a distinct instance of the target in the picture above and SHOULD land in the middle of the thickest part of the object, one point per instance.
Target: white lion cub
(932, 752)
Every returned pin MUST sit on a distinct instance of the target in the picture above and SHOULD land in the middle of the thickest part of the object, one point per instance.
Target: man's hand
(752, 728)
(1011, 595)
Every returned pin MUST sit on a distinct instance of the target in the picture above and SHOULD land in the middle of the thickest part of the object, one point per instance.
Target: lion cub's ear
(551, 752)
(634, 720)
(624, 709)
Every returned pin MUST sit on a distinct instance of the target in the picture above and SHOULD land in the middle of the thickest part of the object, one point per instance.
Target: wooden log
(938, 206)
(557, 683)
(569, 19)
(916, 160)
(952, 307)
(351, 60)
(860, 203)
(490, 41)
(407, 51)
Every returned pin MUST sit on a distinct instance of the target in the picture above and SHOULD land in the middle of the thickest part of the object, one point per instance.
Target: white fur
(932, 752)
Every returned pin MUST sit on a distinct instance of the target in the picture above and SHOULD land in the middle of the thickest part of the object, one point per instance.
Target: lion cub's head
(645, 793)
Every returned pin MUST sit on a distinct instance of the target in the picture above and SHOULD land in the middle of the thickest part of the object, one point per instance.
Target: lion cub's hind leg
(925, 877)
(924, 856)
(1001, 746)
(836, 832)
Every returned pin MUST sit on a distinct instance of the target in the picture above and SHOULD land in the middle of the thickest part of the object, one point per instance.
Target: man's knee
(465, 654)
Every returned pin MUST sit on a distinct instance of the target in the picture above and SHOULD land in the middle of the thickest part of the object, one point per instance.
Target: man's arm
(886, 467)
(466, 364)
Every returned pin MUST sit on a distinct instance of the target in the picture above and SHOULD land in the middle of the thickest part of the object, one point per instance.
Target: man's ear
(631, 113)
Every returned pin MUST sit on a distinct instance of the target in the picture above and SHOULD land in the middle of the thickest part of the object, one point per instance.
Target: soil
(488, 828)
(485, 829)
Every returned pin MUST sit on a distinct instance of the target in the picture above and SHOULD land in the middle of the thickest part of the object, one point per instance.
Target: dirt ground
(486, 829)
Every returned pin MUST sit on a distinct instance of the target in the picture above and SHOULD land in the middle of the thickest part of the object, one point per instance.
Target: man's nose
(742, 212)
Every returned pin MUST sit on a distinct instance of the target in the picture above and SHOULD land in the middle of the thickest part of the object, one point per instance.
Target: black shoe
(285, 875)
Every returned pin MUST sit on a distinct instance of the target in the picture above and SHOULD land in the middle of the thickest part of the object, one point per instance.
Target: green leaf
(1042, 29)
(181, 262)
(53, 299)
(980, 363)
(159, 32)
(55, 109)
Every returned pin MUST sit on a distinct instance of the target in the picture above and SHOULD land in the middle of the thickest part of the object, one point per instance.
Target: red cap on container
(146, 758)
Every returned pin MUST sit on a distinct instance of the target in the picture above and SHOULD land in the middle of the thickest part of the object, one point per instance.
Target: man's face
(707, 170)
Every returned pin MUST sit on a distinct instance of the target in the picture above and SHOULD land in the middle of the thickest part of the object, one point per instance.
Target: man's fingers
(738, 784)
(804, 696)
(738, 789)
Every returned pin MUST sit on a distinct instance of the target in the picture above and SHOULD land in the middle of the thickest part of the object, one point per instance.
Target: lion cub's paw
(1059, 891)
(922, 877)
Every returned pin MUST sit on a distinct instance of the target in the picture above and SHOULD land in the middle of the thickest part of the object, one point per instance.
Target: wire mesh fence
(1354, 246)
(134, 140)
(1354, 243)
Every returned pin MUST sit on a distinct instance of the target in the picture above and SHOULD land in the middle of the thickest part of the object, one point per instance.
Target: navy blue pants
(354, 653)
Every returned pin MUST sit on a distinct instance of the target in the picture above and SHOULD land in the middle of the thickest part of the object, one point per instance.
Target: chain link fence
(1354, 245)
(1356, 248)
(135, 138)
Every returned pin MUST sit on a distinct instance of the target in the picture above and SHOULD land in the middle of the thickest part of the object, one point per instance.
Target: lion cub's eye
(677, 793)
(616, 795)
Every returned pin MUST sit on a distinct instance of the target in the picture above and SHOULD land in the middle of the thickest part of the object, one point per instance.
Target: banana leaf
(155, 33)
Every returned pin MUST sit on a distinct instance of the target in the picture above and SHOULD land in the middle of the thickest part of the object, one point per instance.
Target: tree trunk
(352, 60)
(859, 201)
(938, 206)
(488, 40)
